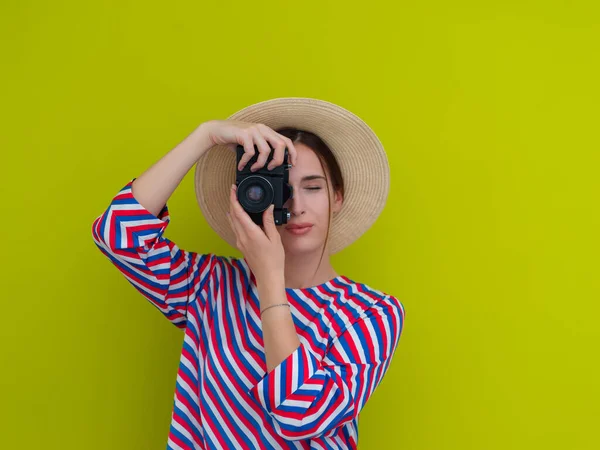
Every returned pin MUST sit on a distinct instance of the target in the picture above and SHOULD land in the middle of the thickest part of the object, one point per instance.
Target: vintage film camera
(257, 190)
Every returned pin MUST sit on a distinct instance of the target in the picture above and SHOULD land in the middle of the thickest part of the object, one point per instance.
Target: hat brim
(357, 149)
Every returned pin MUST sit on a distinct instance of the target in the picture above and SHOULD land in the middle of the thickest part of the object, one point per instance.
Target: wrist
(202, 139)
(271, 285)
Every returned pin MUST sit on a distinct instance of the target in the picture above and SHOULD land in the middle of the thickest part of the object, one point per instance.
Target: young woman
(280, 351)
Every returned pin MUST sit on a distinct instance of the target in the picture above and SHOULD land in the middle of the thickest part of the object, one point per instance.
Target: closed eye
(316, 188)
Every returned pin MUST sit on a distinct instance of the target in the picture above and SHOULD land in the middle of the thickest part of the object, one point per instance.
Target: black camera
(257, 190)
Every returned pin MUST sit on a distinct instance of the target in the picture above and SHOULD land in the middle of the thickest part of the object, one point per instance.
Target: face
(309, 205)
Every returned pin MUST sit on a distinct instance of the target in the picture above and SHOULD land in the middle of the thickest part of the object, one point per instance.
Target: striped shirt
(224, 396)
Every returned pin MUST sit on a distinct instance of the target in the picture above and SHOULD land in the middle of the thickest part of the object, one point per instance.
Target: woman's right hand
(233, 132)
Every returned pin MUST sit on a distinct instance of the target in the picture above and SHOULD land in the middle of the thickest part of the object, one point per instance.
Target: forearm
(279, 333)
(153, 188)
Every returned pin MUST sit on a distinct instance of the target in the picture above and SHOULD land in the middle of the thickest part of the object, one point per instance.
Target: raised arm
(130, 233)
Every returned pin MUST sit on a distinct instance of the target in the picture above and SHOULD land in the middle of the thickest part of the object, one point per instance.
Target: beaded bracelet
(279, 304)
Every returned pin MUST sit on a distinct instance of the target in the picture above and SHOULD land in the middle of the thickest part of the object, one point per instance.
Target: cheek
(322, 209)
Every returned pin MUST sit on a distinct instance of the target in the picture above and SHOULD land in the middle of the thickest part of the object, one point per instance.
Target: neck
(301, 270)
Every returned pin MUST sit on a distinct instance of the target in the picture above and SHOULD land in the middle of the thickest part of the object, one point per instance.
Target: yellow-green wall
(489, 114)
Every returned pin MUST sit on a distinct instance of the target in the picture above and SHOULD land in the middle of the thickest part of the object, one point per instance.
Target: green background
(489, 114)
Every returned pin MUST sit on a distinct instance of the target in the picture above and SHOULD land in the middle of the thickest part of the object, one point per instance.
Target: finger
(292, 152)
(264, 151)
(249, 152)
(278, 145)
(239, 242)
(230, 212)
(269, 223)
(240, 233)
(244, 224)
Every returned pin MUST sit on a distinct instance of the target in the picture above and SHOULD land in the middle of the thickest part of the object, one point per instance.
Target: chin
(299, 246)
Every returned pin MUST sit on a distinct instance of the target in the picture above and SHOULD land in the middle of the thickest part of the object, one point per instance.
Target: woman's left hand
(262, 250)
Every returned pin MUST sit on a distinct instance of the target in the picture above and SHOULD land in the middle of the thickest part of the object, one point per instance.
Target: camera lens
(255, 193)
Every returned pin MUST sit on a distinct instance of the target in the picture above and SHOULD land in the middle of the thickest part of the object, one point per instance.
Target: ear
(338, 201)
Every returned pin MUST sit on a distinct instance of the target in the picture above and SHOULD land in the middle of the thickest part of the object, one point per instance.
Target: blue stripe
(180, 436)
(220, 431)
(180, 413)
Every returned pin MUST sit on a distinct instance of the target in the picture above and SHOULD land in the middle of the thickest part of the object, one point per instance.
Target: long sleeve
(132, 238)
(308, 397)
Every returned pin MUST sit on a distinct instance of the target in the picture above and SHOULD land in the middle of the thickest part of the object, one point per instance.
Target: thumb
(269, 222)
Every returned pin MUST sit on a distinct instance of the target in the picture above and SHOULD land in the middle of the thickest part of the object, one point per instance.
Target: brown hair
(329, 164)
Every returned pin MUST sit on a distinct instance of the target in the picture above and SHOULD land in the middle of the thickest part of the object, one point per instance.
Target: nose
(295, 204)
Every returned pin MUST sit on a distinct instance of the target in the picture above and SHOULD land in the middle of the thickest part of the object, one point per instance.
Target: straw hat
(357, 149)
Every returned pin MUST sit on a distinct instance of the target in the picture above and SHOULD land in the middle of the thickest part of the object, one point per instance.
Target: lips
(297, 226)
(299, 229)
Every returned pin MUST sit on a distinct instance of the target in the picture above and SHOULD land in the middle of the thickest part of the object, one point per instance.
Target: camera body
(257, 190)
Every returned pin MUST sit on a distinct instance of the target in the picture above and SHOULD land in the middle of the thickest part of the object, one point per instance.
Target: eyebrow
(312, 177)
